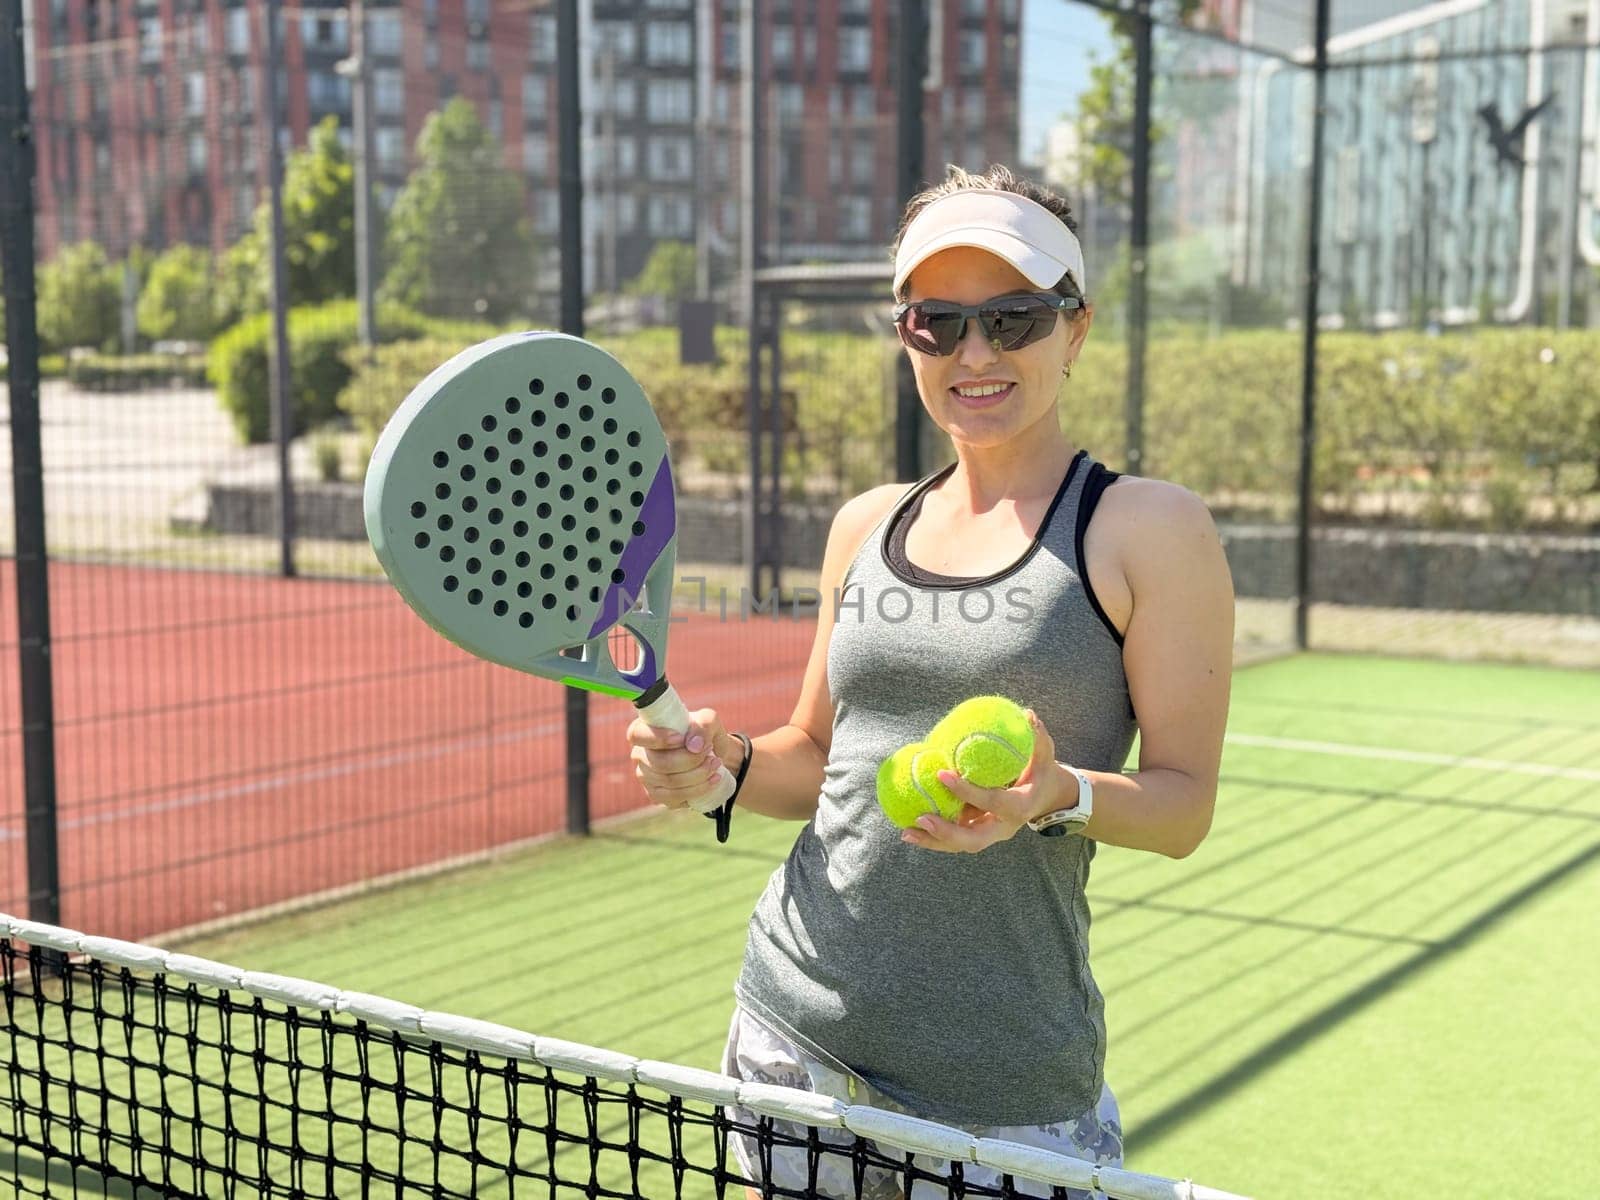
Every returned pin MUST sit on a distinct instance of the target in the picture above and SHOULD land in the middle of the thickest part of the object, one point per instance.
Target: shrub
(135, 372)
(319, 337)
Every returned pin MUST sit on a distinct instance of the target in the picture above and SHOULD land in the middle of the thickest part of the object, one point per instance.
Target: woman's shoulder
(1153, 521)
(859, 513)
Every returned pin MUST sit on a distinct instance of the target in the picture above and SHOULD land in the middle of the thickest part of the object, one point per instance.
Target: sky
(1060, 40)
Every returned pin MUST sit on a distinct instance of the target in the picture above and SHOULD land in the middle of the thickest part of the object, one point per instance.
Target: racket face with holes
(521, 501)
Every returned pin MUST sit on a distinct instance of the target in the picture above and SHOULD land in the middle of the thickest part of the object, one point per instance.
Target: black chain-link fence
(229, 734)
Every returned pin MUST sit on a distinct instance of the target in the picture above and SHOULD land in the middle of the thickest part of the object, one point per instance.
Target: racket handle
(666, 711)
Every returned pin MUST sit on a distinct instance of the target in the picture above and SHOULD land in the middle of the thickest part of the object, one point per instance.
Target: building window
(974, 9)
(625, 157)
(670, 101)
(671, 216)
(626, 208)
(855, 48)
(194, 93)
(670, 158)
(477, 55)
(782, 45)
(546, 212)
(972, 51)
(390, 146)
(619, 39)
(974, 106)
(388, 91)
(722, 102)
(855, 217)
(536, 153)
(237, 33)
(198, 153)
(668, 43)
(864, 105)
(541, 38)
(327, 91)
(535, 97)
(864, 161)
(627, 98)
(325, 31)
(730, 45)
(384, 32)
(791, 99)
(855, 8)
(150, 39)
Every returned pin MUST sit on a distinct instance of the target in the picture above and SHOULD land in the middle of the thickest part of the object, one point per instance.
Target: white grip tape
(666, 711)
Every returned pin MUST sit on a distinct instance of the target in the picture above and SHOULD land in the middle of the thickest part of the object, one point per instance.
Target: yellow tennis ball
(988, 738)
(909, 787)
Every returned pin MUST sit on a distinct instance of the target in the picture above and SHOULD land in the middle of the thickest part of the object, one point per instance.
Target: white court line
(1345, 750)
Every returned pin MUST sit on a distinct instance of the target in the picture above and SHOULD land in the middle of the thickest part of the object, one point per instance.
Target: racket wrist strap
(724, 816)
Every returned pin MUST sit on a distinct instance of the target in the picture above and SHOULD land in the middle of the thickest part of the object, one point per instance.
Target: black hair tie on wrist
(724, 816)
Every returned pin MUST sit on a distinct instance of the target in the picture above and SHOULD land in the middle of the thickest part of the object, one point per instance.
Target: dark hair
(999, 179)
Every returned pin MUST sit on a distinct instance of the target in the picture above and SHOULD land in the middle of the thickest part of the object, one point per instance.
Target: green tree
(319, 241)
(1105, 118)
(176, 301)
(241, 284)
(319, 231)
(458, 243)
(79, 298)
(669, 272)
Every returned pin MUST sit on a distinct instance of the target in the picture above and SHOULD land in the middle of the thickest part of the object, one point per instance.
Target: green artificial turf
(1376, 976)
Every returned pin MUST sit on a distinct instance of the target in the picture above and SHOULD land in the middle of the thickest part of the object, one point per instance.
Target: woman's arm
(1178, 657)
(785, 776)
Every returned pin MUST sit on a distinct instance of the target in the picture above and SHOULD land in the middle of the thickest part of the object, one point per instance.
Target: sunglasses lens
(1018, 323)
(930, 330)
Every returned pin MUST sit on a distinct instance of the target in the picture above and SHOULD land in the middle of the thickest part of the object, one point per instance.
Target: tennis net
(133, 1071)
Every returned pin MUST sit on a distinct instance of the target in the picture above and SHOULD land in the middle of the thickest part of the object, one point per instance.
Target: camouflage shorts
(755, 1053)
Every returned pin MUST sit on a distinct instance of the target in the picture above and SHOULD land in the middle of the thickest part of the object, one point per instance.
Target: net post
(17, 167)
(1308, 335)
(570, 119)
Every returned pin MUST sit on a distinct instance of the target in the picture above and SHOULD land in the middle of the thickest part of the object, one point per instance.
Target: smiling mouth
(982, 395)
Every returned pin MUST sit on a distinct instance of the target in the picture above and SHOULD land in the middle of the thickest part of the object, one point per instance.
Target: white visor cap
(1026, 234)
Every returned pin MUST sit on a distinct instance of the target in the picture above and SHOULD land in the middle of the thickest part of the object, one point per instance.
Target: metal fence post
(17, 166)
(1139, 233)
(910, 174)
(568, 99)
(282, 412)
(1308, 369)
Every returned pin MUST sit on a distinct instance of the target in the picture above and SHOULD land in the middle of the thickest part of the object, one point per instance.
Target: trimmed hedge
(135, 372)
(319, 336)
(1496, 428)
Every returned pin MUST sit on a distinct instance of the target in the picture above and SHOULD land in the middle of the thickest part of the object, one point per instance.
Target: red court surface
(225, 742)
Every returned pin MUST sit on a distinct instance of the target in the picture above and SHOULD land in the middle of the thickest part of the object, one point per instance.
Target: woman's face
(979, 395)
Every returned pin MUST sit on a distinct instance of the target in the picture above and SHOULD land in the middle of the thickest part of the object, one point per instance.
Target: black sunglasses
(1008, 322)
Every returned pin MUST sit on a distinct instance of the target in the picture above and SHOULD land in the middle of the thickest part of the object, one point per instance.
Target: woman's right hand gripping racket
(521, 501)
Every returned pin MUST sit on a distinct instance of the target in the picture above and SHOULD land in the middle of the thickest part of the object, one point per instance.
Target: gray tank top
(956, 984)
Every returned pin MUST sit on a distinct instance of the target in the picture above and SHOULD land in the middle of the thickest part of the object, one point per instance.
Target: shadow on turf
(1167, 1119)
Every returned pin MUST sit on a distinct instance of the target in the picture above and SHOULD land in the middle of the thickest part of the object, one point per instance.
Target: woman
(943, 971)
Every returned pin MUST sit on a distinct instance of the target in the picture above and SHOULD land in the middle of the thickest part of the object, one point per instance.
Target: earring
(1066, 371)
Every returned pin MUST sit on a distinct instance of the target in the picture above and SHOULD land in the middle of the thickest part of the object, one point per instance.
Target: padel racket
(521, 500)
